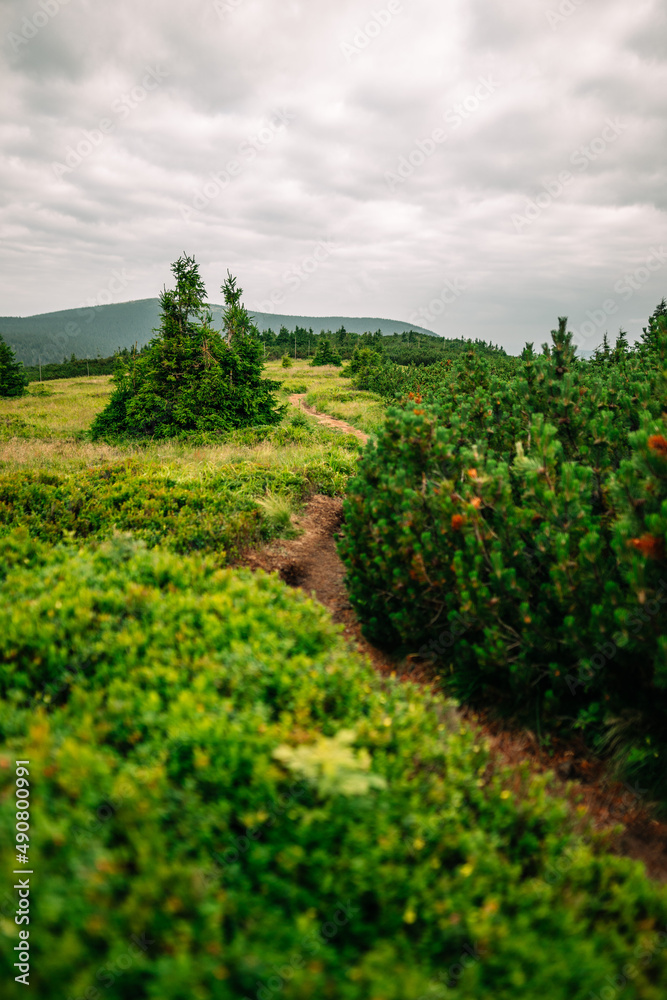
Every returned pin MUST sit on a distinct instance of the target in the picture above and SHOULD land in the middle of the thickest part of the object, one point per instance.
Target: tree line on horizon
(407, 348)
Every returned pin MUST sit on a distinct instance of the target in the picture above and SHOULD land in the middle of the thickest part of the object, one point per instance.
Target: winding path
(311, 561)
(298, 400)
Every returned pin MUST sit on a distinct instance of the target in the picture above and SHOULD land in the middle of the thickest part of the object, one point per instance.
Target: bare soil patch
(299, 400)
(312, 563)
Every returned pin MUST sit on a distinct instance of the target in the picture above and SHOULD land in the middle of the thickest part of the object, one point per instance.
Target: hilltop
(101, 330)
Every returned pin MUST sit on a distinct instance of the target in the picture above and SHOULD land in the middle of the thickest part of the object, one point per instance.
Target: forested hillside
(101, 330)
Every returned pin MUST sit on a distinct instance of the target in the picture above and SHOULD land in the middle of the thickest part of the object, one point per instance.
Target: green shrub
(299, 419)
(190, 378)
(217, 513)
(73, 368)
(294, 387)
(286, 361)
(226, 803)
(325, 354)
(277, 512)
(514, 532)
(14, 427)
(41, 389)
(363, 358)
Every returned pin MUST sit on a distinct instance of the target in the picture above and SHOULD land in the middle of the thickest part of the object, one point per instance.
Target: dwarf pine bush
(534, 510)
(220, 510)
(325, 354)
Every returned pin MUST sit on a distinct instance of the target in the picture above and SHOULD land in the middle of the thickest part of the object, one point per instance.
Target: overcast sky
(478, 167)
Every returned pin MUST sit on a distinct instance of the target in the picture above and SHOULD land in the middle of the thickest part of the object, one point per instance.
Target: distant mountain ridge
(87, 332)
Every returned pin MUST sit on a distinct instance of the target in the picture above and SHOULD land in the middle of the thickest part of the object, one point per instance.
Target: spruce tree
(326, 354)
(602, 353)
(13, 378)
(192, 378)
(650, 340)
(621, 350)
(606, 349)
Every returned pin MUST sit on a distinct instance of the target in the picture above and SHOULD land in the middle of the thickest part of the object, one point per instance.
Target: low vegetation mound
(226, 803)
(219, 508)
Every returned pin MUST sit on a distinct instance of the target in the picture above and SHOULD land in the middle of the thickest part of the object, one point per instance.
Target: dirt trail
(298, 400)
(311, 562)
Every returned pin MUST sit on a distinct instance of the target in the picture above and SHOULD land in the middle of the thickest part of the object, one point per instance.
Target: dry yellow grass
(56, 422)
(68, 455)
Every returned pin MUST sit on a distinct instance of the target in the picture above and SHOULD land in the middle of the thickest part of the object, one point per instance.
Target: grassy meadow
(47, 427)
(52, 475)
(226, 800)
(330, 392)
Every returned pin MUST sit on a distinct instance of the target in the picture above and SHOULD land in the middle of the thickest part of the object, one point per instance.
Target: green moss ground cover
(202, 492)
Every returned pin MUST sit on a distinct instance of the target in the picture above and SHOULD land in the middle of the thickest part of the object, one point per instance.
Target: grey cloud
(130, 200)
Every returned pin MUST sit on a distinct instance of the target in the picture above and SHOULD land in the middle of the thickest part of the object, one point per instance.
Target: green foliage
(13, 379)
(363, 363)
(513, 530)
(41, 389)
(299, 419)
(75, 368)
(14, 427)
(295, 387)
(190, 378)
(277, 512)
(360, 409)
(226, 803)
(393, 381)
(92, 332)
(286, 361)
(218, 512)
(419, 349)
(652, 341)
(326, 354)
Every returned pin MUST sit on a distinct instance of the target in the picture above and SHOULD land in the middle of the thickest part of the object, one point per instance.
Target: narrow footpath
(311, 562)
(299, 400)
